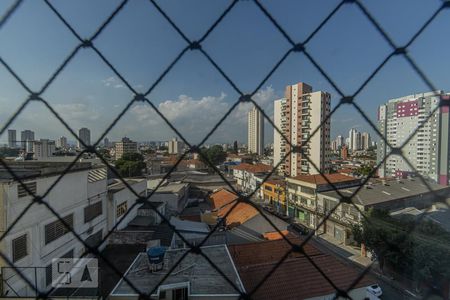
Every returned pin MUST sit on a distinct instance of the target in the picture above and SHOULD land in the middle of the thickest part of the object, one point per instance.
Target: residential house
(302, 194)
(241, 219)
(249, 177)
(122, 207)
(274, 193)
(390, 195)
(296, 277)
(190, 231)
(193, 278)
(174, 194)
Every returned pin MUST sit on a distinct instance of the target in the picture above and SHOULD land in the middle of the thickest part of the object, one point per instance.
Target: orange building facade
(274, 193)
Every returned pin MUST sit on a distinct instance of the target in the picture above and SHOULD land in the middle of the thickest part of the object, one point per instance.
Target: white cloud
(194, 118)
(264, 98)
(113, 82)
(76, 112)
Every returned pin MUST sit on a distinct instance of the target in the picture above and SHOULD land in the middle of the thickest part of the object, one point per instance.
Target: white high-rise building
(428, 150)
(340, 141)
(255, 132)
(84, 134)
(12, 138)
(175, 146)
(61, 142)
(43, 148)
(300, 113)
(354, 138)
(337, 143)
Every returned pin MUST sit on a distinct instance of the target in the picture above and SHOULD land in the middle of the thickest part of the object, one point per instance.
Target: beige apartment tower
(298, 115)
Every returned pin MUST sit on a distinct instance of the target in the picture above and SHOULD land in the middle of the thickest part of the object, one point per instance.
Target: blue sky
(194, 96)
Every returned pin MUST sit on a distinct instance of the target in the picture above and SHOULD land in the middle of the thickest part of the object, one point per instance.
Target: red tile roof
(258, 168)
(319, 179)
(296, 277)
(275, 235)
(240, 214)
(224, 200)
(222, 197)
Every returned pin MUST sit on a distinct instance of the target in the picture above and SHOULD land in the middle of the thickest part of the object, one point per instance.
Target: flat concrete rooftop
(393, 190)
(194, 270)
(34, 169)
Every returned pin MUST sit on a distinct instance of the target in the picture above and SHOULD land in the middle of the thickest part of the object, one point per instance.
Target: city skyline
(193, 84)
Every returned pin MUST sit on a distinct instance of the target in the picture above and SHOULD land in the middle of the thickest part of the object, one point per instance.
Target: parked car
(375, 289)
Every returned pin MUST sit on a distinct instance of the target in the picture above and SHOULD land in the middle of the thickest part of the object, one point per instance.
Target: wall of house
(69, 196)
(119, 198)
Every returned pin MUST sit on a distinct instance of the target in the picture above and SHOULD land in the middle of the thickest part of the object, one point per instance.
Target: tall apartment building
(125, 146)
(428, 150)
(84, 134)
(255, 131)
(43, 148)
(337, 143)
(27, 138)
(354, 137)
(279, 143)
(61, 142)
(175, 146)
(298, 115)
(366, 141)
(12, 138)
(80, 198)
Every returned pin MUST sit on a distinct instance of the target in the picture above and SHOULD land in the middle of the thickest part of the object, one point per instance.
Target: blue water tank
(156, 255)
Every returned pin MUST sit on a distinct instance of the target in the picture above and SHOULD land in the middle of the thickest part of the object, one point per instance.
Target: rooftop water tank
(155, 257)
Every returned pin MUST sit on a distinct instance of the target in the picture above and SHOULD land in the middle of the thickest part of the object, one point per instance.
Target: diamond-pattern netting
(300, 47)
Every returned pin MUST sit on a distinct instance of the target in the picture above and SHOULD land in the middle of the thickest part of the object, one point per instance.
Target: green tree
(104, 153)
(215, 155)
(418, 251)
(130, 164)
(364, 170)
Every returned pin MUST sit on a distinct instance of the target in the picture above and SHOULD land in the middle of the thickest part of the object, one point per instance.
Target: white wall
(70, 195)
(122, 196)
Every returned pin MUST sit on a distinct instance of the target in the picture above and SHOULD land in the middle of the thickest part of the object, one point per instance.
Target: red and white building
(428, 149)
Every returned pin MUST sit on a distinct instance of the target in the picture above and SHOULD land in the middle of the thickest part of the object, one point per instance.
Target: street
(390, 288)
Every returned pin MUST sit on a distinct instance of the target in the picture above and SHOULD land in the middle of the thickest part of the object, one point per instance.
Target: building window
(22, 192)
(180, 294)
(19, 248)
(56, 229)
(307, 190)
(92, 211)
(121, 209)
